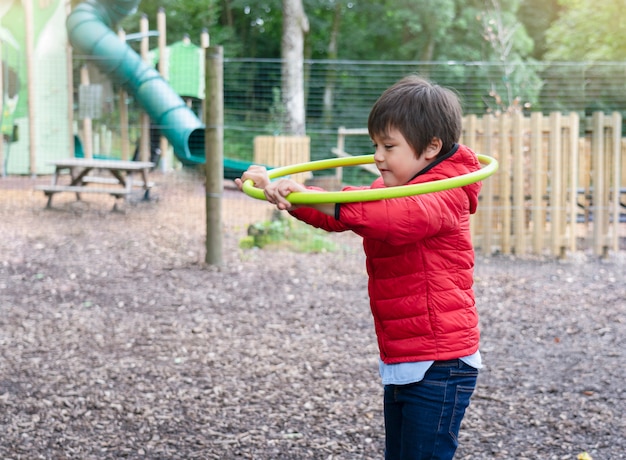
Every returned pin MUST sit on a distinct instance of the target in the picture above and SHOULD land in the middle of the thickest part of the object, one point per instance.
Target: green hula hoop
(354, 196)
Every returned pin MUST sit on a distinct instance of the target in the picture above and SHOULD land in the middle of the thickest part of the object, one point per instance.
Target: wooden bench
(52, 189)
(113, 181)
(78, 170)
(340, 152)
(370, 167)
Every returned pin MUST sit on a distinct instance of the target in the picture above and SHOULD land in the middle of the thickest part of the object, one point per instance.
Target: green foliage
(183, 18)
(424, 30)
(256, 27)
(516, 85)
(286, 233)
(537, 15)
(421, 25)
(277, 113)
(238, 144)
(427, 30)
(373, 30)
(588, 30)
(490, 51)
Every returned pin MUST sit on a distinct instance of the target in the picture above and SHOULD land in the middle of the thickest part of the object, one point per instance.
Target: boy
(420, 261)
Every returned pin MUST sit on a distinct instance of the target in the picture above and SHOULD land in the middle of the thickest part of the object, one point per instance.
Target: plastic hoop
(354, 196)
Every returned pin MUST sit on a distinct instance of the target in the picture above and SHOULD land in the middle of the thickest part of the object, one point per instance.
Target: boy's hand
(257, 174)
(276, 193)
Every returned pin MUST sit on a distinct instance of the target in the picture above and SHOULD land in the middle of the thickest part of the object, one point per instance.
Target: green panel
(185, 68)
(50, 104)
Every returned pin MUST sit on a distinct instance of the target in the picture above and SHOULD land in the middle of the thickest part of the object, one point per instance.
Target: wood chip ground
(117, 341)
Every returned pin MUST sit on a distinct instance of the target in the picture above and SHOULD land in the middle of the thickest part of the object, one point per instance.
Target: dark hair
(420, 110)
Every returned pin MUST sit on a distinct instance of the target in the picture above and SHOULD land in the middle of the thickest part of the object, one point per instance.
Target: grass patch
(285, 232)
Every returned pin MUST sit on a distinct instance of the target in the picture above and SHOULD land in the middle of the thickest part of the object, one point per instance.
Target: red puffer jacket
(420, 263)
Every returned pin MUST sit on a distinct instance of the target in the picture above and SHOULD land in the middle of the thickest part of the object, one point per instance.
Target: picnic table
(116, 181)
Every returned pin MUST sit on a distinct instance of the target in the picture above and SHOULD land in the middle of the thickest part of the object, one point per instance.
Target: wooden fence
(561, 185)
(283, 151)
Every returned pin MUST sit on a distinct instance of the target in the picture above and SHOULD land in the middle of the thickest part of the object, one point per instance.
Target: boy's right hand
(277, 192)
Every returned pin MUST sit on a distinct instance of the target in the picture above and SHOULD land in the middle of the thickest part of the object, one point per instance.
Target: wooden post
(341, 145)
(572, 191)
(164, 71)
(469, 138)
(214, 152)
(519, 211)
(204, 39)
(87, 125)
(123, 108)
(162, 43)
(69, 69)
(556, 184)
(31, 80)
(505, 183)
(536, 164)
(144, 145)
(2, 171)
(615, 168)
(598, 183)
(204, 44)
(488, 187)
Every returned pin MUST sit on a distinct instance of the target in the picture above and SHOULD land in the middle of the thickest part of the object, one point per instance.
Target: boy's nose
(378, 155)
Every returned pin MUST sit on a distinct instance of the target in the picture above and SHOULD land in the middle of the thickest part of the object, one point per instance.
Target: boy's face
(397, 161)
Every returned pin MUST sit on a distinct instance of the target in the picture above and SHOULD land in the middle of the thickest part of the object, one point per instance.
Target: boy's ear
(433, 148)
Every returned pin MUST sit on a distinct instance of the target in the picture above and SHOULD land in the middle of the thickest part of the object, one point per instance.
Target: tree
(295, 27)
(331, 75)
(588, 30)
(323, 41)
(421, 26)
(393, 29)
(256, 28)
(537, 15)
(183, 18)
(518, 84)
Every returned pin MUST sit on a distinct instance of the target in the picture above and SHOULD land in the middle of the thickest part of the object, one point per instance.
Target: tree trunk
(331, 76)
(227, 12)
(295, 27)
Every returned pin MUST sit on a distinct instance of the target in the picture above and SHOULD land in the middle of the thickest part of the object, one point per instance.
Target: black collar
(438, 160)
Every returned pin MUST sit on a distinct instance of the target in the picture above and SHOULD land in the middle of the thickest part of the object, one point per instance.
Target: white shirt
(405, 373)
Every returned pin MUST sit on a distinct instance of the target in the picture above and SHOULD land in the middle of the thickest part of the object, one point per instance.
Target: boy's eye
(385, 146)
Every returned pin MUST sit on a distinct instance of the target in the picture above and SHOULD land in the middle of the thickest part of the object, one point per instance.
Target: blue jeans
(422, 419)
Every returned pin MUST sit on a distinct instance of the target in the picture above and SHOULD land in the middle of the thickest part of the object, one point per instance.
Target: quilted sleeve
(404, 220)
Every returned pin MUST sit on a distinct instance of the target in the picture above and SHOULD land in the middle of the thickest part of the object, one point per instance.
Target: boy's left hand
(275, 192)
(257, 174)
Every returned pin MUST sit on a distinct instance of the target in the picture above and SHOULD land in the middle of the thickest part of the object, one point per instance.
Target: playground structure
(47, 133)
(89, 28)
(35, 86)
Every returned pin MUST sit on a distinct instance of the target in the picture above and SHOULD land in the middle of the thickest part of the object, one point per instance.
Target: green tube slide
(89, 28)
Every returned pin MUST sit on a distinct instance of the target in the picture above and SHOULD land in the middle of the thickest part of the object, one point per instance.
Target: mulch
(118, 341)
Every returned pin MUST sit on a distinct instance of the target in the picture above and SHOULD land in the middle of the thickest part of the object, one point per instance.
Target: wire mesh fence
(338, 94)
